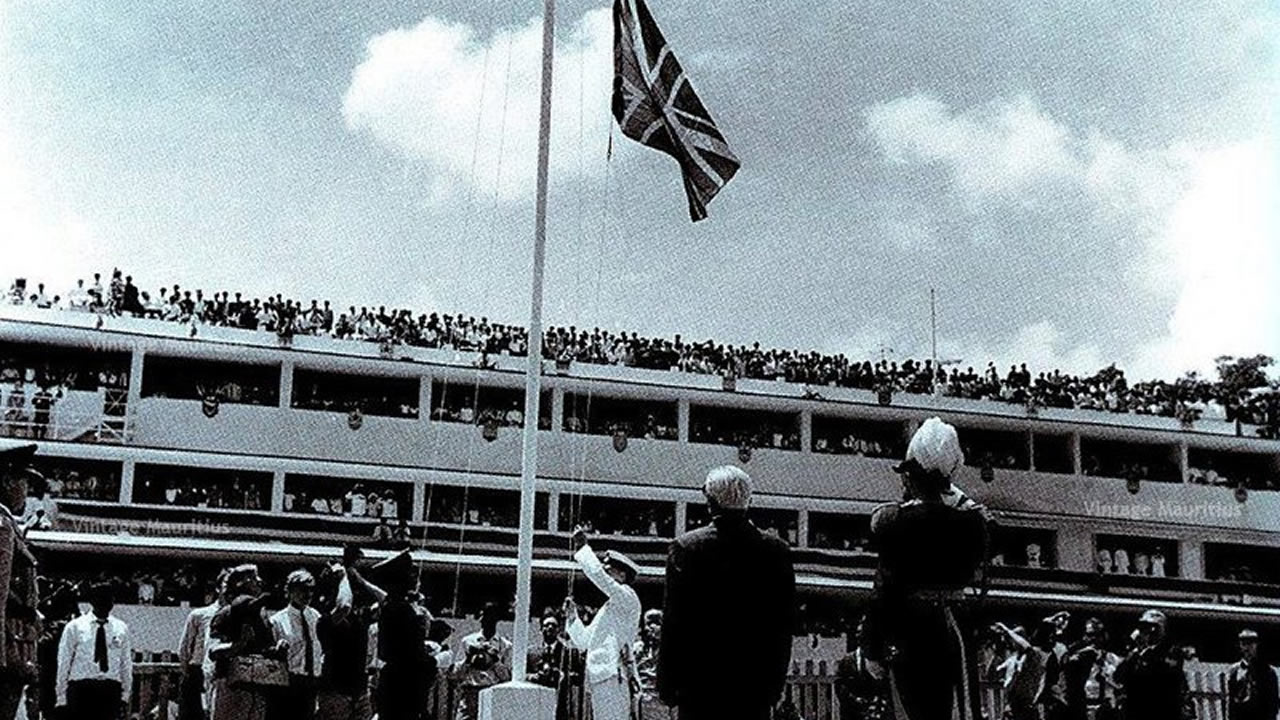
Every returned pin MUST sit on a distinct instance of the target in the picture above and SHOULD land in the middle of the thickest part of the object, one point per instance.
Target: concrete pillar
(126, 481)
(135, 377)
(806, 431)
(1031, 451)
(802, 529)
(1076, 463)
(424, 399)
(557, 410)
(419, 507)
(553, 510)
(1075, 548)
(1183, 460)
(277, 491)
(1190, 560)
(682, 517)
(518, 700)
(286, 384)
(682, 419)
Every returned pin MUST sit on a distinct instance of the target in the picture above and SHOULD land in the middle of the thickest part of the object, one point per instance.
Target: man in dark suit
(1252, 692)
(729, 611)
(19, 595)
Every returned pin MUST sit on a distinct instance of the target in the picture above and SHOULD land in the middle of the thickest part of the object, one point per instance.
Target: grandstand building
(175, 445)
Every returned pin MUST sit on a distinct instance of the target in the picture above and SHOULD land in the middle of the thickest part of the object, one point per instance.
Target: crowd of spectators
(1187, 398)
(1133, 556)
(232, 492)
(345, 500)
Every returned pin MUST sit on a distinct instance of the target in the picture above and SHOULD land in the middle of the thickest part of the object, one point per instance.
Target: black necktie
(100, 646)
(309, 664)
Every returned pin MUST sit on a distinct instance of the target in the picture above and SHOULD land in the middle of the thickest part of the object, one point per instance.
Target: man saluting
(929, 550)
(612, 630)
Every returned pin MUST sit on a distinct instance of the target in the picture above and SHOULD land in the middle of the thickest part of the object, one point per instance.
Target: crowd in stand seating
(353, 501)
(237, 493)
(1107, 390)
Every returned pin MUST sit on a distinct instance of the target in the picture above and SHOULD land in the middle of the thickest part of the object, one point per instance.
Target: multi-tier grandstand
(174, 448)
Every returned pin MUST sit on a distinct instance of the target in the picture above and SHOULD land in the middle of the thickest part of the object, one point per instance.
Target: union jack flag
(656, 106)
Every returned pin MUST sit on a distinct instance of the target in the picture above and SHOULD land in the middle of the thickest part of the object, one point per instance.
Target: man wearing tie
(296, 626)
(95, 662)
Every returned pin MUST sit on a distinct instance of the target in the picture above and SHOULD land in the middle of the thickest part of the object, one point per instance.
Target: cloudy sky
(1082, 182)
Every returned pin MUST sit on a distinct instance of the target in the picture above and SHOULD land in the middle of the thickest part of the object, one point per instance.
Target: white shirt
(287, 625)
(614, 627)
(75, 655)
(195, 635)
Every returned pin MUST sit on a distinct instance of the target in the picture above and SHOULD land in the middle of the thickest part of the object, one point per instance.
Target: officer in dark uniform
(19, 594)
(929, 550)
(408, 670)
(1155, 687)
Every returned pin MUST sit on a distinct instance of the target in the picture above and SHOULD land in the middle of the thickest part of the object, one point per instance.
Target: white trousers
(610, 700)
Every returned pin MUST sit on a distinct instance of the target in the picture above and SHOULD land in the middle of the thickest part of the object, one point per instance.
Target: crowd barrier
(810, 689)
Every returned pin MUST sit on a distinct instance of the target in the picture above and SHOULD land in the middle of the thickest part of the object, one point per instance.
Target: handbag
(257, 671)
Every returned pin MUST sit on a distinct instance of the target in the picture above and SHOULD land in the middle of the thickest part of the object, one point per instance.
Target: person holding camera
(249, 665)
(485, 662)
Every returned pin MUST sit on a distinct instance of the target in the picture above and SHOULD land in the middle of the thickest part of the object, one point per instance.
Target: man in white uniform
(612, 631)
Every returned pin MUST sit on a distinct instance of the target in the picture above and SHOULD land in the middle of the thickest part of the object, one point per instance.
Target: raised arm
(595, 572)
(1017, 640)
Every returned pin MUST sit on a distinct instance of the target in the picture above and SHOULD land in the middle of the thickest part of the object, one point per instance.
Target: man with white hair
(930, 546)
(729, 611)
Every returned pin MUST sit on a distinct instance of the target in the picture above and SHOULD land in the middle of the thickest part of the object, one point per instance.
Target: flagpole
(533, 366)
(933, 326)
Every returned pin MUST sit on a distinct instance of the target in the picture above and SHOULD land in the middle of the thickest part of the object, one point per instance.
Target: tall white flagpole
(520, 699)
(533, 368)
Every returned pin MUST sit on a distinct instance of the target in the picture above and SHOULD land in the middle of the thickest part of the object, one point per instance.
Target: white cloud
(1204, 219)
(1222, 238)
(1042, 346)
(468, 106)
(41, 241)
(1009, 148)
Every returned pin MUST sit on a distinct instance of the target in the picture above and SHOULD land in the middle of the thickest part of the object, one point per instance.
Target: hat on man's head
(398, 567)
(15, 454)
(1247, 635)
(935, 448)
(1154, 617)
(617, 559)
(729, 486)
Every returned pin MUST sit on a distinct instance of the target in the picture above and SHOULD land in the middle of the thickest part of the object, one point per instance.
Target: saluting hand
(578, 539)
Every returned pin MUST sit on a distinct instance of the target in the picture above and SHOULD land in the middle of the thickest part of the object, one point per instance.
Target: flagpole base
(517, 701)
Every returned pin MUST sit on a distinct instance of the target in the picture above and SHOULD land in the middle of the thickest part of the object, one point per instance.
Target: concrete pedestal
(517, 701)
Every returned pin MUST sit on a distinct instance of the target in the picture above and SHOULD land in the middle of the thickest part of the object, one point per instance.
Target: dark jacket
(728, 618)
(1252, 692)
(1154, 685)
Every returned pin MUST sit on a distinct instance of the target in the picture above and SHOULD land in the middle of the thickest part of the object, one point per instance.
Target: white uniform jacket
(614, 627)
